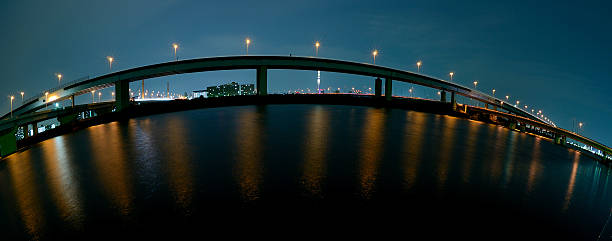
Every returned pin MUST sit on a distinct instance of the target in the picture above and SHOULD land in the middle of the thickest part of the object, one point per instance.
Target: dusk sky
(555, 56)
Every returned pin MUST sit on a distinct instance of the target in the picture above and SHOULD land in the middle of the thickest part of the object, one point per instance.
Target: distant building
(247, 89)
(200, 93)
(231, 89)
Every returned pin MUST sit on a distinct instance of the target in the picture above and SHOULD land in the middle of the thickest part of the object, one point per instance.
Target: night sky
(552, 55)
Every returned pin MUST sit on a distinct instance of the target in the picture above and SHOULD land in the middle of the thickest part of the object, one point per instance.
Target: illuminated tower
(318, 82)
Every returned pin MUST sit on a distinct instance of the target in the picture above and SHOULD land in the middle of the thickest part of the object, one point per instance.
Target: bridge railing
(41, 94)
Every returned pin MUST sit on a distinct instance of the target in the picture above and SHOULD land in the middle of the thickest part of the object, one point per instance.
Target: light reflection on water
(370, 151)
(123, 170)
(110, 162)
(61, 179)
(248, 146)
(315, 151)
(445, 151)
(413, 144)
(179, 163)
(26, 194)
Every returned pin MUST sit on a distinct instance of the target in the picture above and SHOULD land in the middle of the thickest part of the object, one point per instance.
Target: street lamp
(46, 98)
(110, 62)
(410, 90)
(13, 97)
(507, 98)
(517, 102)
(99, 96)
(175, 46)
(493, 92)
(247, 41)
(419, 63)
(317, 44)
(475, 83)
(22, 97)
(59, 79)
(374, 53)
(451, 75)
(93, 100)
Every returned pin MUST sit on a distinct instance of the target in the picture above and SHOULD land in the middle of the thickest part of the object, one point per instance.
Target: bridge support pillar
(443, 96)
(453, 101)
(262, 80)
(122, 95)
(34, 129)
(388, 88)
(8, 142)
(559, 139)
(378, 87)
(512, 125)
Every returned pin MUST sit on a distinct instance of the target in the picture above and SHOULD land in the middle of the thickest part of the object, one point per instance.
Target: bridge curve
(121, 79)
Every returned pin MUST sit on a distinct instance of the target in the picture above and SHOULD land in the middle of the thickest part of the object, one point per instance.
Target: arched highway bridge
(120, 80)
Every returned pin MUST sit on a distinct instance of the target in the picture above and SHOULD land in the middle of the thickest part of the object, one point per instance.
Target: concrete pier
(262, 80)
(378, 87)
(388, 88)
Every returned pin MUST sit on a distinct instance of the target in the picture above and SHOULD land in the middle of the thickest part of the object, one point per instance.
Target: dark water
(304, 169)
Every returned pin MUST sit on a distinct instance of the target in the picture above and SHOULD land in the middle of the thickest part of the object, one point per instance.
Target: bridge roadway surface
(261, 64)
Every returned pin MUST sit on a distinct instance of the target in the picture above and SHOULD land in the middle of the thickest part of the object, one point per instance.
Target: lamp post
(374, 53)
(247, 41)
(419, 63)
(493, 92)
(59, 79)
(46, 98)
(22, 97)
(93, 100)
(317, 44)
(99, 97)
(475, 84)
(451, 75)
(12, 98)
(175, 46)
(110, 62)
(507, 98)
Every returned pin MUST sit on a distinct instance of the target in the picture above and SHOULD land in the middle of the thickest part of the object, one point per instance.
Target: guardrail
(64, 85)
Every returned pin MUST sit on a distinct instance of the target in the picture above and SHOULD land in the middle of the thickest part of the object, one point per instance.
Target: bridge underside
(103, 111)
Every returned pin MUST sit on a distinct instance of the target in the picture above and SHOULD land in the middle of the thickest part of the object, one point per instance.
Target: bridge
(24, 114)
